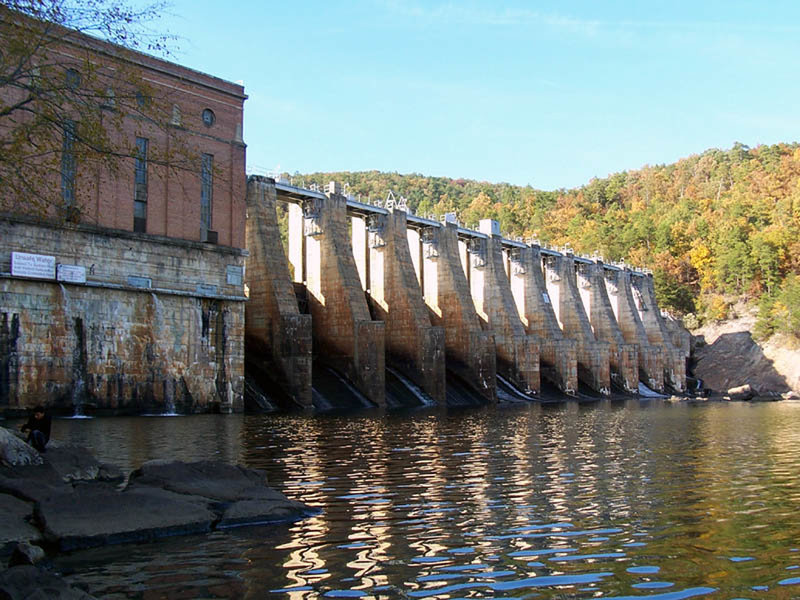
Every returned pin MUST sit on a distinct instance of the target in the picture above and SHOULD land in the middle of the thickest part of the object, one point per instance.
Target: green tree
(787, 306)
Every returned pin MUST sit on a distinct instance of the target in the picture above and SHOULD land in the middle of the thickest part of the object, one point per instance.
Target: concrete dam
(384, 305)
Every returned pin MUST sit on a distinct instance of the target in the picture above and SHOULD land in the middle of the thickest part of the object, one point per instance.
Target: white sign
(71, 273)
(33, 265)
(234, 275)
(546, 298)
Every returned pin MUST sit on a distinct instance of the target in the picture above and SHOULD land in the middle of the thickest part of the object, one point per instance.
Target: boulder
(272, 506)
(28, 582)
(96, 515)
(14, 514)
(26, 553)
(742, 392)
(75, 463)
(14, 451)
(239, 495)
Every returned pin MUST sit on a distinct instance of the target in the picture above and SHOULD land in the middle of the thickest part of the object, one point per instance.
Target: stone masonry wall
(413, 345)
(112, 343)
(558, 355)
(344, 335)
(593, 355)
(277, 336)
(651, 361)
(624, 357)
(517, 352)
(470, 351)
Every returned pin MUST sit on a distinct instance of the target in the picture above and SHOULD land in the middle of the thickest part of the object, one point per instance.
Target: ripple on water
(678, 595)
(652, 585)
(535, 496)
(643, 570)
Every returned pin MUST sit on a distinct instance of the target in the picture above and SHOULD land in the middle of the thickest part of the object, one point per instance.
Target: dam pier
(378, 299)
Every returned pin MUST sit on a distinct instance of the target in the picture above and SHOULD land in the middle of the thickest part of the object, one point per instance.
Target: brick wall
(142, 96)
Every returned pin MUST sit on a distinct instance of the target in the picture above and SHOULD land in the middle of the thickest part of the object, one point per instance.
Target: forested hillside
(713, 227)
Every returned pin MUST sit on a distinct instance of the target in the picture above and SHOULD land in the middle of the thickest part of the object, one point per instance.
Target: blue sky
(549, 94)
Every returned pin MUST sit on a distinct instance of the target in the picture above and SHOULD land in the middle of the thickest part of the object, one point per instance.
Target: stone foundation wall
(112, 343)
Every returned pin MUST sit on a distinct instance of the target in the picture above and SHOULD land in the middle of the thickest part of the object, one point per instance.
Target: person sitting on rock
(38, 428)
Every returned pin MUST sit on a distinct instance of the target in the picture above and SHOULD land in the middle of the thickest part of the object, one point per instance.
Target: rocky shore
(65, 499)
(726, 356)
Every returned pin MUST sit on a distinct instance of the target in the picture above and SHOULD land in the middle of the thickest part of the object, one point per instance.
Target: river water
(630, 499)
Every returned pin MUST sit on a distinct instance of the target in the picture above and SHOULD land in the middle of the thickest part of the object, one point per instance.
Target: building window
(109, 99)
(68, 164)
(142, 99)
(140, 186)
(177, 118)
(209, 118)
(73, 79)
(206, 194)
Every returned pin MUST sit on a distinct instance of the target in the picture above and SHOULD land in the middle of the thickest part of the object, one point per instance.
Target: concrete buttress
(413, 346)
(345, 336)
(623, 356)
(517, 351)
(651, 358)
(657, 333)
(469, 350)
(557, 354)
(276, 334)
(593, 355)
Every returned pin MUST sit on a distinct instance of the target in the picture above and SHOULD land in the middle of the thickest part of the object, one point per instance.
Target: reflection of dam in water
(491, 499)
(378, 307)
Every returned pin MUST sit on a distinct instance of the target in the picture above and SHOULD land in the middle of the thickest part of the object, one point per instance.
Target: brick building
(128, 296)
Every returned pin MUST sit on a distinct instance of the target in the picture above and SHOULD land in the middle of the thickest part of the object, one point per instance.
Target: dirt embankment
(726, 356)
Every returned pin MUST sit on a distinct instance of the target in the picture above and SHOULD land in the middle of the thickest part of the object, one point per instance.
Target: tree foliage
(64, 96)
(711, 225)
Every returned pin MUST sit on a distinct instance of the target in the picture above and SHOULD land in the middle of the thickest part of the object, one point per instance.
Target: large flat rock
(96, 515)
(215, 480)
(14, 527)
(78, 503)
(239, 495)
(32, 482)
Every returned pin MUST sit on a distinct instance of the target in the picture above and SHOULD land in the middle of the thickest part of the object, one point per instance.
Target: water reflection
(613, 500)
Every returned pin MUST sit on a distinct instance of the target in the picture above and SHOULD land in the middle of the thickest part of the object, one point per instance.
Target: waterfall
(158, 334)
(78, 394)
